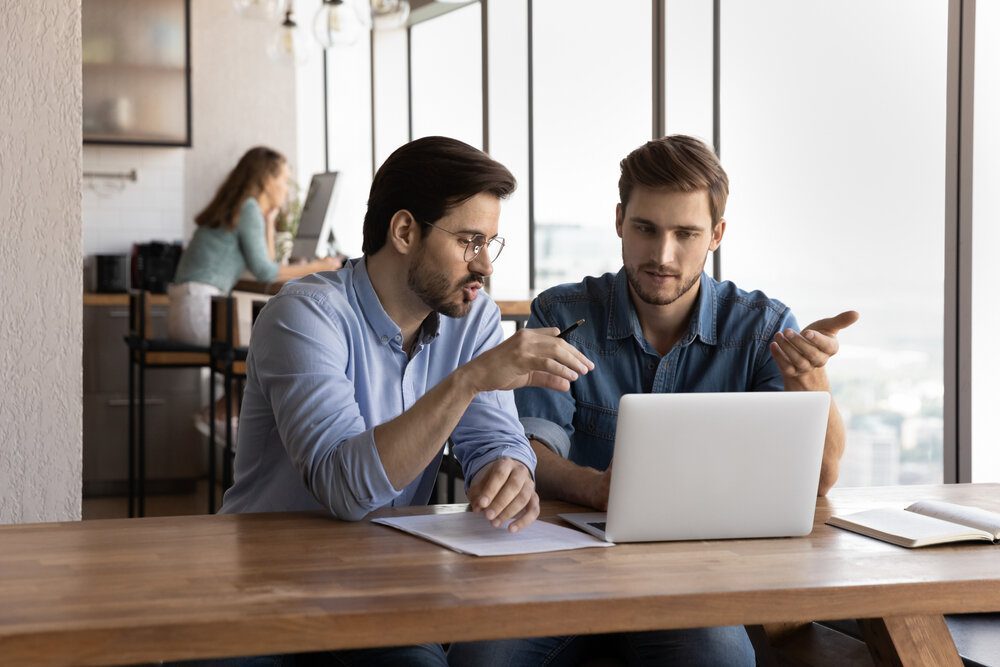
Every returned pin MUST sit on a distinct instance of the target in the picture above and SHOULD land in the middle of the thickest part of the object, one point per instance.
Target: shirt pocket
(596, 421)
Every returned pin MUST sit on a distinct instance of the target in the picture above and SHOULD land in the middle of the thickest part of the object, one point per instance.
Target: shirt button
(399, 337)
(385, 339)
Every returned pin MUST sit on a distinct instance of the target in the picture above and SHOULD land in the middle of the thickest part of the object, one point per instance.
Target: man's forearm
(407, 443)
(833, 448)
(558, 478)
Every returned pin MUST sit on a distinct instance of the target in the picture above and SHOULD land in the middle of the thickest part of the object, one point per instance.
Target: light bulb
(287, 46)
(335, 24)
(263, 10)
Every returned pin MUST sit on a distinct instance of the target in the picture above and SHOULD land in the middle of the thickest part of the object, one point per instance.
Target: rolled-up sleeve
(253, 243)
(546, 414)
(300, 361)
(490, 429)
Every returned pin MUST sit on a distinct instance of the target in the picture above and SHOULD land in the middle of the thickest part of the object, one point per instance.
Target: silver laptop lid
(719, 465)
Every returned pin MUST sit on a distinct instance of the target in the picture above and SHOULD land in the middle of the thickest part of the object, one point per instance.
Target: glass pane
(688, 56)
(447, 76)
(134, 71)
(592, 105)
(508, 77)
(986, 246)
(391, 116)
(833, 135)
(349, 89)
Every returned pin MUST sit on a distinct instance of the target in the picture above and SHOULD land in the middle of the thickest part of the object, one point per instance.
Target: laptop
(713, 466)
(315, 234)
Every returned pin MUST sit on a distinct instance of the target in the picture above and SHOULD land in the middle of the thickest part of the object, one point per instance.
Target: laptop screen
(314, 226)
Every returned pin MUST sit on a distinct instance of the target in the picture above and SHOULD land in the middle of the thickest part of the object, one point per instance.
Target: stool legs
(131, 434)
(142, 435)
(227, 460)
(211, 439)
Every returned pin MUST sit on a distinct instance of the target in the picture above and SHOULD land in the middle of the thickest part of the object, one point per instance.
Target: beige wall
(240, 98)
(40, 261)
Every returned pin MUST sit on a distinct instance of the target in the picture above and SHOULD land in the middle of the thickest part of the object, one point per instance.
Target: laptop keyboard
(599, 525)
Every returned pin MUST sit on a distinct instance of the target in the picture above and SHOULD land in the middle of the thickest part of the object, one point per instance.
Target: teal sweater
(218, 256)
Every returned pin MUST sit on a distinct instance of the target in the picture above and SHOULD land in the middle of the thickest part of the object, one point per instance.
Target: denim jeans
(694, 647)
(421, 655)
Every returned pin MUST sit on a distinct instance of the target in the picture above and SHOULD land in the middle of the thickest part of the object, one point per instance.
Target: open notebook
(924, 523)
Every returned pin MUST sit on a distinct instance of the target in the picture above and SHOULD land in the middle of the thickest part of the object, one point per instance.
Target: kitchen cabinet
(136, 72)
(175, 451)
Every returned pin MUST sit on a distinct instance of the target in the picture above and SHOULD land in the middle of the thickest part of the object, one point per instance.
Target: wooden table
(140, 590)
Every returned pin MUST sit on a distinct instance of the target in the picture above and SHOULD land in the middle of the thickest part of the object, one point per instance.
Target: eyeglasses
(475, 243)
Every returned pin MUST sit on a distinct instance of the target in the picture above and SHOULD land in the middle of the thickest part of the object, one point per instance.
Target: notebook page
(963, 514)
(905, 528)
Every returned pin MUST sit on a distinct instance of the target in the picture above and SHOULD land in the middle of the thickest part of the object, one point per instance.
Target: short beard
(633, 279)
(433, 289)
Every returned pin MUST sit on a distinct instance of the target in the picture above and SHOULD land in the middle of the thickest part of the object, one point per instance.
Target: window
(592, 105)
(833, 134)
(446, 76)
(985, 247)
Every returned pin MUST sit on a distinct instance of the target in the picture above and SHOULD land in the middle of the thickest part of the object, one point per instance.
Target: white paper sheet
(471, 533)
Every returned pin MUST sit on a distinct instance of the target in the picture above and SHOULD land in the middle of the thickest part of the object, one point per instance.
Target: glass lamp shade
(390, 14)
(263, 10)
(336, 23)
(383, 14)
(287, 44)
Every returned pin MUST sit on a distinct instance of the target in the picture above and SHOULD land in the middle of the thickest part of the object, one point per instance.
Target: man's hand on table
(504, 489)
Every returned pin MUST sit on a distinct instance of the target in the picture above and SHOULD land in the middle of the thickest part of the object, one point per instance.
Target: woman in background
(235, 232)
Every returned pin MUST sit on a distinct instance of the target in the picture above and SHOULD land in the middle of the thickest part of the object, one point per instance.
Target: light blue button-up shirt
(326, 366)
(724, 349)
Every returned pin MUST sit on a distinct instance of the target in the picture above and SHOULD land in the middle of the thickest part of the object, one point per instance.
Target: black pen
(568, 330)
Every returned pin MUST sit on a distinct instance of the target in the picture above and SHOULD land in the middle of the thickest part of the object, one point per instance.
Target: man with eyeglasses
(356, 378)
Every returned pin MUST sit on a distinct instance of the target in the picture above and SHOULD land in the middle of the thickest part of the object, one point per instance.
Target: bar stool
(228, 358)
(146, 352)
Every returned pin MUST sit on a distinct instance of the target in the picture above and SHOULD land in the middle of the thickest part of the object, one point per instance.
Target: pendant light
(286, 45)
(383, 14)
(336, 23)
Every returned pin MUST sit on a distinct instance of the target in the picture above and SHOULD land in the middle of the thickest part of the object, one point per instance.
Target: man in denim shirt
(659, 325)
(356, 378)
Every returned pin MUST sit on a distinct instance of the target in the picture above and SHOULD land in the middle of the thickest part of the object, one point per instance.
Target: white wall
(117, 213)
(240, 99)
(40, 305)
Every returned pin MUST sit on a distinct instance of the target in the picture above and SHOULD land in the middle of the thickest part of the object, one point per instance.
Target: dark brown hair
(427, 177)
(677, 163)
(245, 180)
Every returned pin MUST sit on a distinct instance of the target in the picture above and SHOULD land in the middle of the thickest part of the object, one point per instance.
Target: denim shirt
(724, 350)
(326, 366)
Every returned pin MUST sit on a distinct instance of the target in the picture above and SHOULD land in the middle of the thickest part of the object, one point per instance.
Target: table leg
(910, 640)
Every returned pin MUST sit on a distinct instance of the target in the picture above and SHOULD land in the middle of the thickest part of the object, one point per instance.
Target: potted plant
(286, 225)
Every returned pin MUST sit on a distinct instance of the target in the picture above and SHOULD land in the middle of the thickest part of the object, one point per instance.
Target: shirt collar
(624, 322)
(383, 326)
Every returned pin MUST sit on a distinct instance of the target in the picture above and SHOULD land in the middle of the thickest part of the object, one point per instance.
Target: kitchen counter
(96, 299)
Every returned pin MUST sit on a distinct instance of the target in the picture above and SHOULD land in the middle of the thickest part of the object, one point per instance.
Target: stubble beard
(433, 288)
(653, 299)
